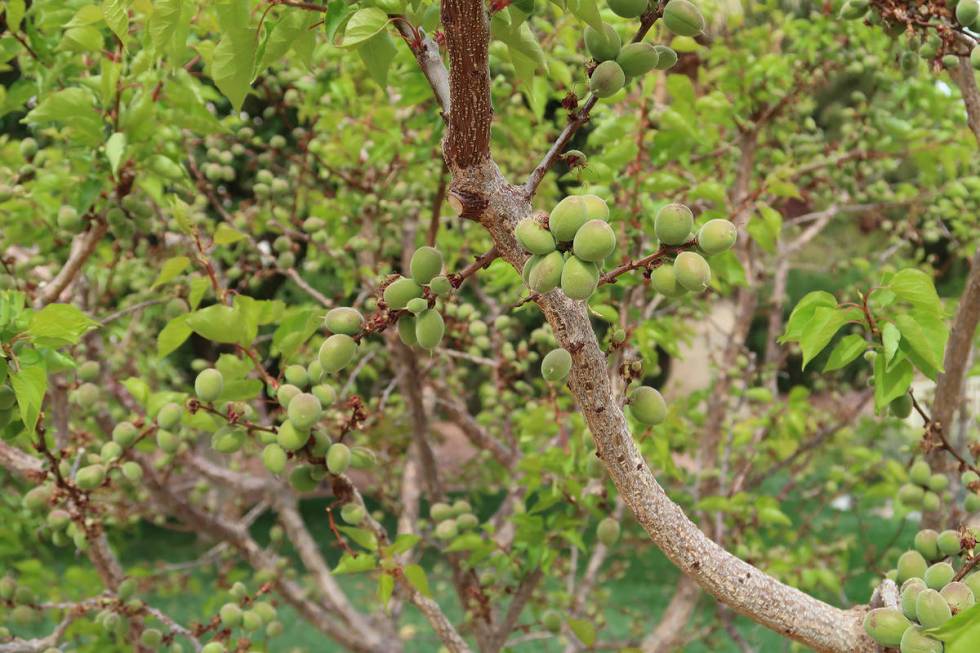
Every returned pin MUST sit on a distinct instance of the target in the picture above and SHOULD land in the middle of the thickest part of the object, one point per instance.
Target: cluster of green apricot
(932, 591)
(450, 520)
(20, 600)
(673, 225)
(924, 490)
(570, 249)
(619, 64)
(422, 324)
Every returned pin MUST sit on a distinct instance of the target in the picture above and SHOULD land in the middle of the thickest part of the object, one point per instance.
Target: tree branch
(82, 249)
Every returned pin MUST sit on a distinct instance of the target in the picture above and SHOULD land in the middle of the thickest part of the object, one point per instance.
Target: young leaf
(850, 347)
(226, 235)
(820, 330)
(114, 149)
(362, 536)
(171, 268)
(916, 287)
(29, 384)
(173, 335)
(961, 633)
(218, 322)
(386, 585)
(584, 630)
(890, 336)
(363, 25)
(416, 576)
(56, 325)
(377, 53)
(803, 312)
(926, 335)
(891, 382)
(403, 543)
(353, 564)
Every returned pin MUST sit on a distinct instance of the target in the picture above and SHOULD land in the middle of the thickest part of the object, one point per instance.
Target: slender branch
(82, 249)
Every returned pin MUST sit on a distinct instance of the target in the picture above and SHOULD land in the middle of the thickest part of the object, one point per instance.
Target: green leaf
(30, 382)
(139, 388)
(173, 335)
(890, 336)
(363, 25)
(402, 543)
(114, 149)
(293, 331)
(117, 18)
(233, 64)
(386, 585)
(163, 22)
(199, 286)
(803, 313)
(377, 53)
(588, 12)
(226, 235)
(241, 390)
(916, 287)
(891, 382)
(171, 268)
(218, 323)
(821, 329)
(417, 578)
(56, 325)
(926, 335)
(584, 630)
(74, 107)
(354, 564)
(338, 11)
(362, 536)
(961, 633)
(14, 10)
(850, 347)
(765, 228)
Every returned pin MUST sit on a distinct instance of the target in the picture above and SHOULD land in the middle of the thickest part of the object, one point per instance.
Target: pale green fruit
(301, 479)
(594, 241)
(628, 8)
(938, 575)
(68, 219)
(304, 410)
(399, 291)
(314, 371)
(972, 581)
(608, 531)
(910, 592)
(967, 11)
(426, 263)
(127, 589)
(58, 519)
(931, 609)
(296, 375)
(461, 506)
(925, 542)
(274, 458)
(579, 279)
(343, 319)
(440, 511)
(637, 59)
(938, 481)
(169, 415)
(930, 501)
(213, 647)
(551, 620)
(441, 286)
(166, 441)
(406, 330)
(692, 271)
(948, 542)
(914, 641)
(230, 615)
(886, 625)
(209, 385)
(567, 216)
(37, 498)
(110, 451)
(90, 477)
(607, 79)
(417, 305)
(534, 238)
(911, 564)
(666, 57)
(556, 365)
(958, 595)
(920, 472)
(910, 495)
(429, 329)
(683, 18)
(228, 439)
(125, 433)
(664, 281)
(446, 530)
(336, 352)
(338, 458)
(325, 393)
(285, 394)
(352, 513)
(901, 407)
(975, 57)
(87, 371)
(251, 621)
(647, 405)
(673, 224)
(546, 273)
(595, 207)
(528, 266)
(603, 45)
(290, 437)
(151, 638)
(717, 236)
(467, 521)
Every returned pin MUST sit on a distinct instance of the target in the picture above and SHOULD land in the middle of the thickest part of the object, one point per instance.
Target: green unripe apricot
(968, 478)
(938, 575)
(213, 647)
(692, 271)
(125, 433)
(343, 319)
(290, 437)
(717, 236)
(151, 637)
(910, 592)
(534, 238)
(948, 543)
(925, 542)
(567, 216)
(930, 501)
(603, 45)
(429, 329)
(440, 511)
(417, 305)
(89, 371)
(938, 482)
(90, 477)
(966, 12)
(628, 8)
(551, 620)
(608, 531)
(556, 365)
(666, 57)
(274, 458)
(228, 439)
(230, 614)
(399, 291)
(337, 352)
(595, 207)
(446, 530)
(911, 564)
(854, 9)
(166, 441)
(886, 625)
(467, 521)
(647, 405)
(958, 595)
(637, 59)
(301, 479)
(441, 286)
(209, 385)
(673, 224)
(579, 278)
(58, 519)
(37, 498)
(664, 281)
(683, 18)
(931, 609)
(914, 641)
(338, 458)
(352, 513)
(110, 451)
(607, 79)
(901, 407)
(68, 219)
(169, 415)
(920, 472)
(304, 410)
(973, 582)
(285, 394)
(546, 273)
(594, 241)
(406, 330)
(910, 495)
(426, 263)
(296, 375)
